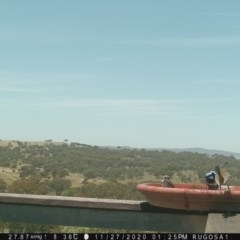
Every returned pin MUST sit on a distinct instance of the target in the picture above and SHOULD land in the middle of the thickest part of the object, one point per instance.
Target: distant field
(146, 178)
(76, 179)
(14, 143)
(4, 143)
(8, 175)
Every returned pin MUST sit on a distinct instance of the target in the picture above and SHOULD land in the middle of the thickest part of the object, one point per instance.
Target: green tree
(3, 185)
(58, 185)
(32, 185)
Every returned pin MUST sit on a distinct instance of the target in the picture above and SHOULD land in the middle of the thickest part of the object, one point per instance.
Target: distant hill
(4, 143)
(206, 151)
(209, 152)
(197, 150)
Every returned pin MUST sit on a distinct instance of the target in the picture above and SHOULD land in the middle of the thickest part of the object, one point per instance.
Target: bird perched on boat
(222, 175)
(210, 177)
(166, 182)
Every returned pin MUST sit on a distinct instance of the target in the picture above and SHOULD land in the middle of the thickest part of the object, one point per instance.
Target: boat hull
(192, 197)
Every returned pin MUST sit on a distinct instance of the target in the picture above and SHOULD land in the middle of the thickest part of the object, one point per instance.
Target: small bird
(210, 177)
(210, 180)
(166, 182)
(222, 175)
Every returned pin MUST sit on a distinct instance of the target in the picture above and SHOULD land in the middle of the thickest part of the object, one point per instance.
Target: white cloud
(104, 103)
(135, 106)
(220, 14)
(41, 82)
(106, 106)
(18, 90)
(218, 81)
(204, 41)
(34, 34)
(33, 78)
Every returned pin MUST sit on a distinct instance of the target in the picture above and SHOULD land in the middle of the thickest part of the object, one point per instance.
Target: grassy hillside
(90, 171)
(72, 167)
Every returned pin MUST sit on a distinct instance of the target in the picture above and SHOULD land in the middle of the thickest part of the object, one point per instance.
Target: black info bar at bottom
(120, 236)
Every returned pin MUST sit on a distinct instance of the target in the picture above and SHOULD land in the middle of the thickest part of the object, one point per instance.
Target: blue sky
(121, 73)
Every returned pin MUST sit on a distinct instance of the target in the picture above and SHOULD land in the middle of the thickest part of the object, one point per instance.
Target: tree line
(106, 172)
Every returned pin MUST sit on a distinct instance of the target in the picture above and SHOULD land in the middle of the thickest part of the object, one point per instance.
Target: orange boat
(195, 197)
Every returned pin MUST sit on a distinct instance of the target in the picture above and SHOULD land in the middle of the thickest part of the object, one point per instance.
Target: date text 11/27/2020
(120, 236)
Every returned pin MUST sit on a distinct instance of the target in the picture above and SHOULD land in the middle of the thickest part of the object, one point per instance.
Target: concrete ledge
(102, 213)
(223, 223)
(60, 201)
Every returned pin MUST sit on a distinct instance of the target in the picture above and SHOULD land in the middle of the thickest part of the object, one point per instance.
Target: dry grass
(97, 181)
(76, 179)
(6, 143)
(8, 175)
(146, 178)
